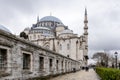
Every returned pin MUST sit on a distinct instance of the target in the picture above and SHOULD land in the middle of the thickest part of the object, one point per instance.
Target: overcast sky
(103, 17)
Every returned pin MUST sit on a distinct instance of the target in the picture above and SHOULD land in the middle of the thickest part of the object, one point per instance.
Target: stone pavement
(80, 75)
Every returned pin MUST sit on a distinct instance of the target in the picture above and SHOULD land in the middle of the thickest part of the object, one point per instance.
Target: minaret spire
(85, 11)
(85, 23)
(37, 19)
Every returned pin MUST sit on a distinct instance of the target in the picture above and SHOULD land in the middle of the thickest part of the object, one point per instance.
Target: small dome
(51, 18)
(27, 29)
(4, 29)
(67, 31)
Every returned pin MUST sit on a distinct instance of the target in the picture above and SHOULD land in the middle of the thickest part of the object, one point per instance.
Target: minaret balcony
(86, 33)
(86, 27)
(85, 21)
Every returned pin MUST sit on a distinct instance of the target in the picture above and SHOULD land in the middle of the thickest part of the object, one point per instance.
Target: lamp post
(116, 58)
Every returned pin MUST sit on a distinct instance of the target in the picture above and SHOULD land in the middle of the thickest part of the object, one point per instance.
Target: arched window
(30, 37)
(38, 36)
(34, 36)
(47, 47)
(46, 24)
(60, 47)
(68, 46)
(42, 24)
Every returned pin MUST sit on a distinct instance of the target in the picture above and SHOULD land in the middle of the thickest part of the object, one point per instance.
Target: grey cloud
(103, 16)
(104, 30)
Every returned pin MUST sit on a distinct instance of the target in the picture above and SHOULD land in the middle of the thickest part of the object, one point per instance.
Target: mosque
(47, 48)
(50, 33)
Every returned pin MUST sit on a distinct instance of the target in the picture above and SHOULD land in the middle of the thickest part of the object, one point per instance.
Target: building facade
(51, 48)
(21, 59)
(50, 33)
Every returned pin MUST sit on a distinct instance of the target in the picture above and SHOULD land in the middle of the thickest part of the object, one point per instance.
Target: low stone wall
(21, 59)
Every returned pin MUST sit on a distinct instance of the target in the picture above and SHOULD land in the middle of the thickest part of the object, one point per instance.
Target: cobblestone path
(80, 75)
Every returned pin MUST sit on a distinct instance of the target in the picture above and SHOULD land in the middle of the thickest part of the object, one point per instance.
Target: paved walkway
(80, 75)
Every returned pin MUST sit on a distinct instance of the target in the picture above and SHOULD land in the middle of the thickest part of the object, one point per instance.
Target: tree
(23, 34)
(102, 59)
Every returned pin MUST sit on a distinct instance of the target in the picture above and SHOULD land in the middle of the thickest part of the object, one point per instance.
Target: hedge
(108, 73)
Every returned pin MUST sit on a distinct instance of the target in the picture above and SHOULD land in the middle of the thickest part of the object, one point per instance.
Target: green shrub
(108, 73)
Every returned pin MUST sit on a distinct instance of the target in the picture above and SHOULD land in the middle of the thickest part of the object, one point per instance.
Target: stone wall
(25, 60)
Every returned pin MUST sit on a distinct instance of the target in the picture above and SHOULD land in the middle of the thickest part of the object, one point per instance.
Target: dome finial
(50, 14)
(85, 11)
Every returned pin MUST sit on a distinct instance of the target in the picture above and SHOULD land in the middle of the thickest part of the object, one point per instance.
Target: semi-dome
(4, 28)
(51, 18)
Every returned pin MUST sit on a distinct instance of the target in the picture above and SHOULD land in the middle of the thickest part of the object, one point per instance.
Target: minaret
(37, 19)
(86, 37)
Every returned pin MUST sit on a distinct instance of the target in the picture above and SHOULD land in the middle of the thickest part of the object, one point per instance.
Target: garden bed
(108, 73)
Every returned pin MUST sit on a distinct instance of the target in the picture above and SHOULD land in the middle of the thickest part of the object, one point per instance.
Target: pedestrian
(87, 68)
(74, 70)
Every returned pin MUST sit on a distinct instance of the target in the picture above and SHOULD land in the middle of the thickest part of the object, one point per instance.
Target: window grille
(26, 61)
(3, 59)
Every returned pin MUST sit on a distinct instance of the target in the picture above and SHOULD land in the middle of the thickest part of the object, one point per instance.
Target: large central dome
(51, 18)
